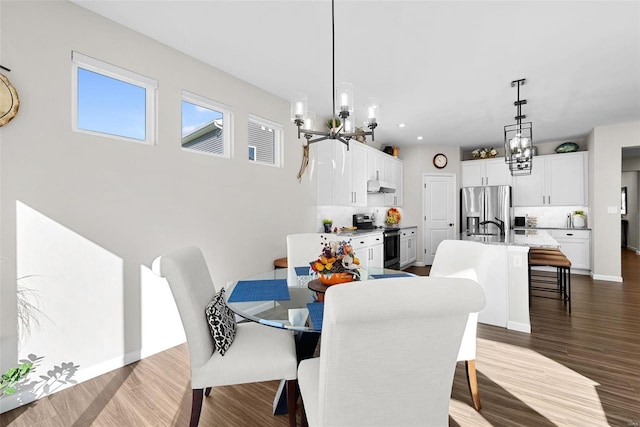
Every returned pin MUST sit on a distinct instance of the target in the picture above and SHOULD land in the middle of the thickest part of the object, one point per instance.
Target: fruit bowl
(335, 278)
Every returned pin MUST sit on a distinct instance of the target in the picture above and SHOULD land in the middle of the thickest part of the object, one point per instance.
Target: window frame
(278, 142)
(227, 122)
(79, 60)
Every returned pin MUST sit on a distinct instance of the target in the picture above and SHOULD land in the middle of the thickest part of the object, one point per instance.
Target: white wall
(87, 215)
(418, 160)
(605, 164)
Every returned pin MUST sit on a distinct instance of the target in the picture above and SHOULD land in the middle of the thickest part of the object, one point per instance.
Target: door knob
(450, 225)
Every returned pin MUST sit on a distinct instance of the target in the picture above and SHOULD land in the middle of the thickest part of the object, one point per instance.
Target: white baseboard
(520, 327)
(606, 278)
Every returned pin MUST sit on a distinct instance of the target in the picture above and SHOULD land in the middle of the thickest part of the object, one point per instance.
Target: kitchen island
(507, 293)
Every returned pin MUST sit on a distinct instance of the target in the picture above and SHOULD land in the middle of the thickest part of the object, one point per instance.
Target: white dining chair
(469, 260)
(258, 352)
(388, 352)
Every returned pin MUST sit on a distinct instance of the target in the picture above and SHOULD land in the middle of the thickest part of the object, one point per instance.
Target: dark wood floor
(581, 369)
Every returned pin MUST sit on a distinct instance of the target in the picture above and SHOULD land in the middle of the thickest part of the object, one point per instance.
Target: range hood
(377, 186)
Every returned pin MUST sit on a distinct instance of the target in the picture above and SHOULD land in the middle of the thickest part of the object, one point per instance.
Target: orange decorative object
(335, 278)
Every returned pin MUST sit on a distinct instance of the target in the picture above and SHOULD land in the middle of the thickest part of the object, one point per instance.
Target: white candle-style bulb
(299, 108)
(372, 113)
(344, 100)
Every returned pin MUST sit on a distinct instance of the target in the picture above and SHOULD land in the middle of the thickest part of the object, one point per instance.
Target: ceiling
(443, 68)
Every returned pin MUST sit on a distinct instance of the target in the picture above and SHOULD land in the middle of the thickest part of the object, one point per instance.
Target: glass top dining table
(283, 299)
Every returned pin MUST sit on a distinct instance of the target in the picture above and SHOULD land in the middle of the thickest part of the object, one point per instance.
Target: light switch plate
(612, 209)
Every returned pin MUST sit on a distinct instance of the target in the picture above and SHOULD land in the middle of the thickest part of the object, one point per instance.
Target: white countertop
(532, 238)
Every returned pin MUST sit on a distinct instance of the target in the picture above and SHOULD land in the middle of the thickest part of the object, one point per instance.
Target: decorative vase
(327, 228)
(335, 278)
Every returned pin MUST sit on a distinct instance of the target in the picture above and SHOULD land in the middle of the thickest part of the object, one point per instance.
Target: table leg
(306, 343)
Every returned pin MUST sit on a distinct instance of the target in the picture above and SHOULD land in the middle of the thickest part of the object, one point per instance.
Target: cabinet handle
(487, 180)
(569, 234)
(481, 180)
(549, 198)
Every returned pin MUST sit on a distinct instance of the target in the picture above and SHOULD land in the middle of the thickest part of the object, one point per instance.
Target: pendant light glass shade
(518, 139)
(518, 149)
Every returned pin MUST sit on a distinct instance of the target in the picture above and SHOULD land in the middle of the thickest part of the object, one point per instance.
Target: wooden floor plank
(581, 369)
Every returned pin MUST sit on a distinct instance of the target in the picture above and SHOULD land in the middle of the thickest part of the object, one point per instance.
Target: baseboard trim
(606, 278)
(519, 326)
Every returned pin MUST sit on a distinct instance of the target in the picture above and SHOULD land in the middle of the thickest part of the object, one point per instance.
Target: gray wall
(605, 164)
(630, 180)
(88, 214)
(418, 160)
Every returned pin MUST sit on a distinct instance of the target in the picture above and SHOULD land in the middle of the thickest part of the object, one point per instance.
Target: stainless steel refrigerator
(481, 204)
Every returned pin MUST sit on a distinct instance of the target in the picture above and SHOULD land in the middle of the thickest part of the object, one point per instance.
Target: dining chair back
(258, 353)
(388, 352)
(469, 260)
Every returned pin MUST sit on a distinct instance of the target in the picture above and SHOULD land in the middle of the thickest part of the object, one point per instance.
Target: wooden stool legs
(472, 380)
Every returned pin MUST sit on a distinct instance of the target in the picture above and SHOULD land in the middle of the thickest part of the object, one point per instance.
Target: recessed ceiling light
(401, 125)
(420, 138)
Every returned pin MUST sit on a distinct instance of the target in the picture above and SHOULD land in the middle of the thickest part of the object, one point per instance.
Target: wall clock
(9, 101)
(440, 160)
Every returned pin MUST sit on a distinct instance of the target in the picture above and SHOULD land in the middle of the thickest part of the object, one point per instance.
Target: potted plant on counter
(579, 219)
(327, 223)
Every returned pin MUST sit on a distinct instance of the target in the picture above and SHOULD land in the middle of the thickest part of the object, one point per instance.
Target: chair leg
(207, 391)
(292, 398)
(196, 406)
(303, 415)
(472, 379)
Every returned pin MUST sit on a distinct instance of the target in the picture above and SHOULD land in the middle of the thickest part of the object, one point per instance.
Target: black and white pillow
(222, 322)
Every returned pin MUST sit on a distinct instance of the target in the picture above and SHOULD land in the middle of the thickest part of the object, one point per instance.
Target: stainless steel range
(391, 239)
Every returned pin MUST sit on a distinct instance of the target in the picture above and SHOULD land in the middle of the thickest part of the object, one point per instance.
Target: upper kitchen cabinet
(381, 166)
(342, 174)
(479, 173)
(555, 180)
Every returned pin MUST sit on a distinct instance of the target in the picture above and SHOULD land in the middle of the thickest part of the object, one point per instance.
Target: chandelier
(341, 125)
(518, 139)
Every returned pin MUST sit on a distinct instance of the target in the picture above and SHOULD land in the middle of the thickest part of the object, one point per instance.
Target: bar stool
(280, 263)
(549, 257)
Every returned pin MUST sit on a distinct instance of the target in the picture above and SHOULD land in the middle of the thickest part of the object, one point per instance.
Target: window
(110, 101)
(206, 125)
(265, 140)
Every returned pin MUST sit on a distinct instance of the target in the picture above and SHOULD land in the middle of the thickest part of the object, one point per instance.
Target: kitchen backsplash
(342, 216)
(550, 216)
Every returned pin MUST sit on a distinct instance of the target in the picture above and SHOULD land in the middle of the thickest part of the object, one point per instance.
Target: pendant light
(518, 139)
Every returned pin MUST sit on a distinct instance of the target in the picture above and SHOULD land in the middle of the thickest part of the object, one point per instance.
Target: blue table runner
(260, 290)
(302, 271)
(316, 313)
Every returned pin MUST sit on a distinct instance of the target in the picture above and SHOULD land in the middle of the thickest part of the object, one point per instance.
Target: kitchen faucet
(499, 224)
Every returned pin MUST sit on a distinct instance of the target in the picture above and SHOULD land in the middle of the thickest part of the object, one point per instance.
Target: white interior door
(439, 207)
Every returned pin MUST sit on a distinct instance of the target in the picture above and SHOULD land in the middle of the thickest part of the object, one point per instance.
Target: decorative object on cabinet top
(9, 101)
(484, 153)
(567, 147)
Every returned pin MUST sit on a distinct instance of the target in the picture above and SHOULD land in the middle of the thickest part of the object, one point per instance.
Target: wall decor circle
(9, 101)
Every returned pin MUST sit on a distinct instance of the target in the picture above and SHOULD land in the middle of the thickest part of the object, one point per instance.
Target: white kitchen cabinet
(555, 180)
(342, 179)
(408, 241)
(369, 249)
(478, 173)
(576, 245)
(394, 173)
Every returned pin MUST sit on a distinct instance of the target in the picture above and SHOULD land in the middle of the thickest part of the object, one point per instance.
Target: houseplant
(327, 223)
(579, 219)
